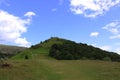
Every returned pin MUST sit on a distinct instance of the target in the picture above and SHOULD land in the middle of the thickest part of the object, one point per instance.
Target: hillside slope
(8, 50)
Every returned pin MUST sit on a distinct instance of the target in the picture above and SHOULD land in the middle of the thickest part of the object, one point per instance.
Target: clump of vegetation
(26, 57)
(70, 50)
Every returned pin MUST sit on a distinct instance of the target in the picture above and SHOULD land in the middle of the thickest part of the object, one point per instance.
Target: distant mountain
(63, 49)
(8, 50)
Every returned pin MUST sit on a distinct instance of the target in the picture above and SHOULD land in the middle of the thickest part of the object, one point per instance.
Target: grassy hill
(40, 66)
(63, 49)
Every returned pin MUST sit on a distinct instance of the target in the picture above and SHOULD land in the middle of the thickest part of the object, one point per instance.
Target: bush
(26, 57)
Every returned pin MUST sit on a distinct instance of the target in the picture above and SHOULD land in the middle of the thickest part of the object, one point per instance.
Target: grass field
(44, 68)
(40, 66)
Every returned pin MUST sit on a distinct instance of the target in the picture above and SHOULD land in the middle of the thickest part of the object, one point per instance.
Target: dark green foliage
(70, 50)
(26, 57)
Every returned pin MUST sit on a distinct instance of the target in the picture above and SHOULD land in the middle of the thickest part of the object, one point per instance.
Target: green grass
(27, 70)
(44, 68)
(40, 66)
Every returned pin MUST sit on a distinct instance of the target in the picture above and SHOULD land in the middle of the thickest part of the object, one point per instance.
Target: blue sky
(95, 22)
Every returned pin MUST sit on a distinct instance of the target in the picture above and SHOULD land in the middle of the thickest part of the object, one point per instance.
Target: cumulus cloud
(92, 8)
(94, 34)
(12, 28)
(114, 28)
(22, 42)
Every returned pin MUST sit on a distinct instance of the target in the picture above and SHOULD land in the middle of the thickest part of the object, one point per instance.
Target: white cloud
(12, 28)
(30, 14)
(114, 28)
(22, 42)
(92, 8)
(94, 34)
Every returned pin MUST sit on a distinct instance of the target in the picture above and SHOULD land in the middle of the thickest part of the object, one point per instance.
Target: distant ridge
(9, 50)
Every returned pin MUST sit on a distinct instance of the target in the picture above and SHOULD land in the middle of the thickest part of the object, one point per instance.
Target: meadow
(46, 68)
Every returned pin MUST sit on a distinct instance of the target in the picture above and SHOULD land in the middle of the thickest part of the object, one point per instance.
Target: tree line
(70, 50)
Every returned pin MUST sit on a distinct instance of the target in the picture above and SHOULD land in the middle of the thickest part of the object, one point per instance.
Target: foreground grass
(50, 69)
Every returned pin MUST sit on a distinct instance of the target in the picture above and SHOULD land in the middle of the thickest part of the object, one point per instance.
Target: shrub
(26, 57)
